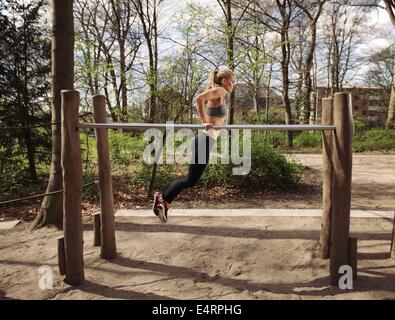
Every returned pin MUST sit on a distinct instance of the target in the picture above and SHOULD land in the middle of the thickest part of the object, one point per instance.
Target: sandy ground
(202, 258)
(373, 179)
(218, 257)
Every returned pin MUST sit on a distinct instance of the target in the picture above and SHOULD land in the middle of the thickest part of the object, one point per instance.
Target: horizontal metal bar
(134, 126)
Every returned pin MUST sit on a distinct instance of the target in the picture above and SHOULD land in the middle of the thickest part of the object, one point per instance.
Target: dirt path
(204, 258)
(373, 179)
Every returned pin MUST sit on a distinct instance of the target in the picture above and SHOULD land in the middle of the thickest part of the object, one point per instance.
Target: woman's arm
(210, 94)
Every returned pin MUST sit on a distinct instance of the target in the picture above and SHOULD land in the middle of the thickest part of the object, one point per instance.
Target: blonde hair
(216, 76)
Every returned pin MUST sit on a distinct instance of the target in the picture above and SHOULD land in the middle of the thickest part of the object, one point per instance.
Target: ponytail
(215, 77)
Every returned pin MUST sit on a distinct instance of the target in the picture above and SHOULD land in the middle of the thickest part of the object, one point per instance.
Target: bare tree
(109, 41)
(257, 64)
(190, 67)
(147, 11)
(227, 7)
(51, 211)
(390, 123)
(297, 63)
(123, 18)
(390, 8)
(288, 11)
(343, 31)
(313, 12)
(380, 72)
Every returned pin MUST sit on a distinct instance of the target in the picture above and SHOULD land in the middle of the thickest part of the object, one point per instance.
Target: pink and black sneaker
(160, 207)
(163, 210)
(157, 200)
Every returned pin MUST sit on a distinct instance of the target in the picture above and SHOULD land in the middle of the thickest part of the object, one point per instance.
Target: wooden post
(96, 230)
(327, 175)
(393, 240)
(108, 246)
(341, 185)
(352, 255)
(72, 188)
(61, 256)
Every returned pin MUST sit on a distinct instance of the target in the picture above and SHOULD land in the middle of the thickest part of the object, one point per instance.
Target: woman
(221, 81)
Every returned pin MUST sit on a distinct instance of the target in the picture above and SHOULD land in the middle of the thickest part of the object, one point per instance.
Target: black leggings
(201, 149)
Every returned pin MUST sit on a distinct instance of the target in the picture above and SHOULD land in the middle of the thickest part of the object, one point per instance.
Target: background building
(370, 104)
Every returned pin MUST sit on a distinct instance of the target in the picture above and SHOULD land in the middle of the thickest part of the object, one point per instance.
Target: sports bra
(218, 111)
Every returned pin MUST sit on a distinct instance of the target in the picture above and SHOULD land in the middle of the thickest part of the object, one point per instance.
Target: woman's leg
(201, 148)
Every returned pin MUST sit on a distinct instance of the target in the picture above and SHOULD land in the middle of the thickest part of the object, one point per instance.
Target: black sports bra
(219, 111)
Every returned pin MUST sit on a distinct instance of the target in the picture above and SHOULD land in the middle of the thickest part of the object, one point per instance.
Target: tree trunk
(30, 153)
(309, 64)
(335, 82)
(150, 31)
(51, 212)
(255, 101)
(308, 88)
(108, 101)
(285, 82)
(268, 93)
(299, 94)
(255, 76)
(390, 6)
(27, 134)
(124, 91)
(231, 60)
(391, 107)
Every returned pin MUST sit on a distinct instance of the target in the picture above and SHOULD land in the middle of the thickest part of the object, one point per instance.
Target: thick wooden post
(72, 188)
(352, 255)
(108, 246)
(393, 240)
(341, 186)
(61, 256)
(96, 230)
(327, 175)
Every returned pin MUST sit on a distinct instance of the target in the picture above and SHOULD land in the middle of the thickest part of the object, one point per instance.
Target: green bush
(126, 149)
(373, 140)
(165, 173)
(360, 125)
(277, 139)
(13, 171)
(275, 116)
(269, 169)
(308, 139)
(88, 151)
